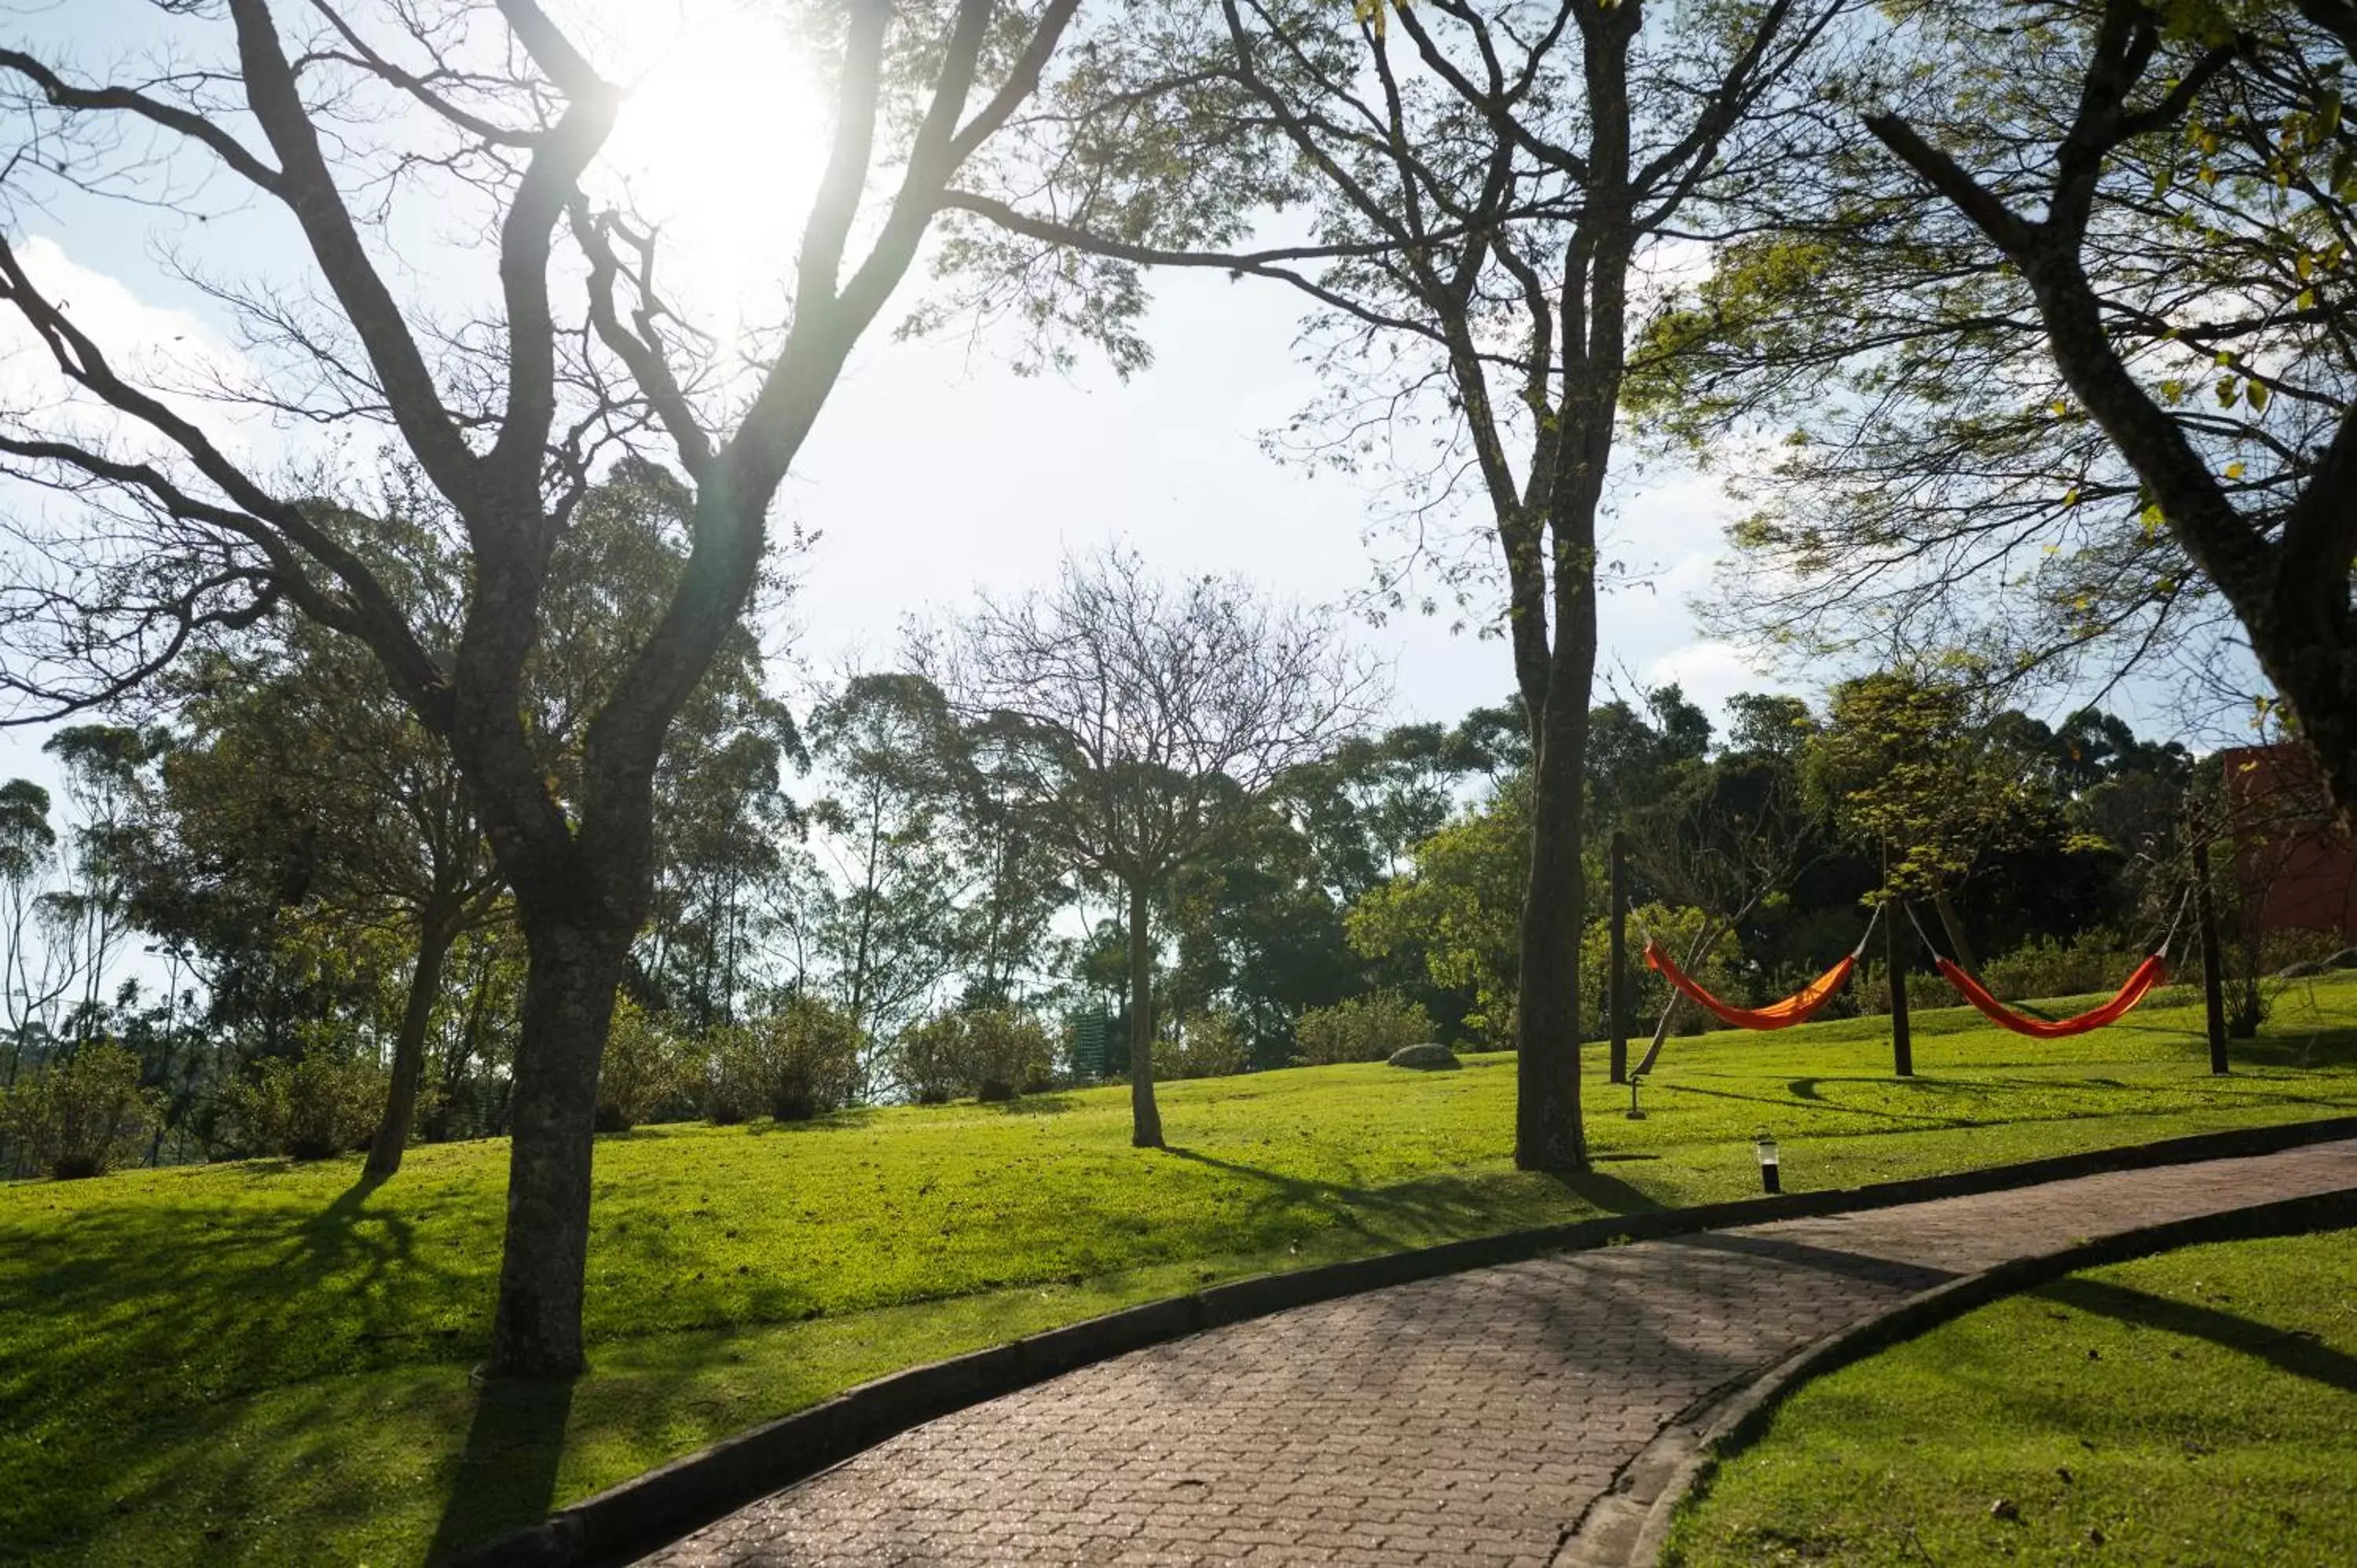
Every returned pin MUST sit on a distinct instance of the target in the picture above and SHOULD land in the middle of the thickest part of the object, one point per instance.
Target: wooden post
(1616, 996)
(2213, 977)
(1894, 939)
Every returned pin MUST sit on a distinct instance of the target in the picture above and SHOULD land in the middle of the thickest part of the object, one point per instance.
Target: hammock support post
(2213, 978)
(1902, 1037)
(1616, 995)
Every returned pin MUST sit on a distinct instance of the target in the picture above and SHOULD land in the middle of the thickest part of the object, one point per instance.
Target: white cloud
(1708, 672)
(168, 352)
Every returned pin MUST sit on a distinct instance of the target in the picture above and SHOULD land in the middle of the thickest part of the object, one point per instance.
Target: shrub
(1009, 1051)
(991, 1053)
(310, 1109)
(2048, 968)
(930, 1059)
(726, 1094)
(644, 1067)
(1209, 1045)
(798, 1062)
(1872, 989)
(86, 1114)
(1362, 1029)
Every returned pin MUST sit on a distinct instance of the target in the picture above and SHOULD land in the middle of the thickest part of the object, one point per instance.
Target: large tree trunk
(1145, 1118)
(1548, 1135)
(569, 1002)
(434, 939)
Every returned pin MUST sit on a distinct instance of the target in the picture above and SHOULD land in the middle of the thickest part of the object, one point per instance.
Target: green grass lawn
(2195, 1408)
(265, 1362)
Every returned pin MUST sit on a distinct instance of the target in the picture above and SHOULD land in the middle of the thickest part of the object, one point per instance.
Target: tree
(1906, 765)
(1019, 888)
(299, 765)
(106, 770)
(1145, 719)
(2282, 564)
(1767, 724)
(1731, 838)
(1483, 186)
(1256, 933)
(1457, 908)
(891, 746)
(30, 982)
(2082, 292)
(509, 413)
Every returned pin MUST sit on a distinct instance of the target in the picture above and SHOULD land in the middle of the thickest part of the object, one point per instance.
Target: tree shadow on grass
(1806, 1090)
(507, 1476)
(849, 1119)
(2314, 1049)
(1436, 1209)
(1045, 1104)
(1604, 1191)
(2293, 1352)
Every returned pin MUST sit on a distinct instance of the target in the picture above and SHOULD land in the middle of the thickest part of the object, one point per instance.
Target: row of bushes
(804, 1060)
(793, 1064)
(86, 1112)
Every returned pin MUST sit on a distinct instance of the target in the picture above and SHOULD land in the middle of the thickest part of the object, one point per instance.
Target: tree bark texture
(1145, 1118)
(1616, 1000)
(1548, 1133)
(568, 1003)
(1902, 1036)
(391, 1139)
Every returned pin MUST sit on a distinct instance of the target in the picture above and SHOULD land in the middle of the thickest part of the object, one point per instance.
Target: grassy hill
(266, 1362)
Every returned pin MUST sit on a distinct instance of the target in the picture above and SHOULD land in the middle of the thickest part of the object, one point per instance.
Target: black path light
(1635, 1114)
(1771, 1178)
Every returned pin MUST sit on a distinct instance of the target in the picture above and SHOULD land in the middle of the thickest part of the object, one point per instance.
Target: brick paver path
(1466, 1420)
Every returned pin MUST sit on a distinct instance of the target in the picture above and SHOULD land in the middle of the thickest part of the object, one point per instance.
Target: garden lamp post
(1635, 1114)
(1771, 1174)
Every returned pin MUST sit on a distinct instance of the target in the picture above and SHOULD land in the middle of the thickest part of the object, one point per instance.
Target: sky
(935, 470)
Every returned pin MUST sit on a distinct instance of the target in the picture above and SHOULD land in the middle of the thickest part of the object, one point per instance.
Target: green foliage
(1208, 1045)
(1360, 1029)
(644, 1070)
(988, 1053)
(315, 1107)
(798, 1061)
(1910, 771)
(1938, 475)
(2189, 1408)
(1460, 909)
(1718, 968)
(82, 1114)
(2048, 968)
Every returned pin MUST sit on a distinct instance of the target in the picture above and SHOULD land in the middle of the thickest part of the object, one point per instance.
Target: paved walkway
(1468, 1421)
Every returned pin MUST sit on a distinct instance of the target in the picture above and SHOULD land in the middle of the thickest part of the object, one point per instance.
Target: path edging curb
(1737, 1422)
(625, 1521)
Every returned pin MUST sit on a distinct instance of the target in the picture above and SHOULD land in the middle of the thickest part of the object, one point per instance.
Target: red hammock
(1797, 1008)
(2149, 974)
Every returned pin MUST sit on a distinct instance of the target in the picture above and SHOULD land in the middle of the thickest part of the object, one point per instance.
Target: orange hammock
(2152, 971)
(1797, 1008)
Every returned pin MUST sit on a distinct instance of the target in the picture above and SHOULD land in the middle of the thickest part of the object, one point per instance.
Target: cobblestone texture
(1466, 1421)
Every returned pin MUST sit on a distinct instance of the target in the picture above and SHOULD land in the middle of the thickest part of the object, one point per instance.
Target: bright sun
(721, 141)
